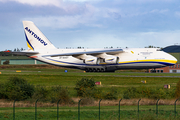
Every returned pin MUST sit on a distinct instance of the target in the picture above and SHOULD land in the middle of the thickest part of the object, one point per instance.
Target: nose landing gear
(153, 70)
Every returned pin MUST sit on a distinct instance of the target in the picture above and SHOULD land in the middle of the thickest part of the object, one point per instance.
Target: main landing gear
(95, 70)
(99, 70)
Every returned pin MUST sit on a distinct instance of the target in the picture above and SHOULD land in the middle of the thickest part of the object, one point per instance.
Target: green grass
(121, 80)
(32, 69)
(57, 77)
(68, 80)
(91, 113)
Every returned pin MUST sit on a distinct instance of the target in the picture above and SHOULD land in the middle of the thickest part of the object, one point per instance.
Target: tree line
(7, 52)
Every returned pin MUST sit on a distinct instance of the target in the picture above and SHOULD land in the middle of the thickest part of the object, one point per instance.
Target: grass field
(92, 113)
(51, 76)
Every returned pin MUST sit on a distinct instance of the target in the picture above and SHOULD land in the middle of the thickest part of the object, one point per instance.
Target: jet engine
(92, 61)
(111, 60)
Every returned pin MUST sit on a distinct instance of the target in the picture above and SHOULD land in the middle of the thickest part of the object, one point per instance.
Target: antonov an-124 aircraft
(92, 60)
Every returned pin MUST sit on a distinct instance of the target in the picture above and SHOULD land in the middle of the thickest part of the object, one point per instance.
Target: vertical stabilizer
(35, 38)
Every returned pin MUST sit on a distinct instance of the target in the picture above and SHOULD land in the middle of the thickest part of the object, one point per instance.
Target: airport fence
(118, 112)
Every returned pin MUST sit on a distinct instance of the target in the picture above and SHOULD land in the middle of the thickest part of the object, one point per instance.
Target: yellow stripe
(152, 60)
(102, 63)
(57, 62)
(29, 46)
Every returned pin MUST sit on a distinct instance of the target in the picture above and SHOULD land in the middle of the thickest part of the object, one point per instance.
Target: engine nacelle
(92, 61)
(111, 60)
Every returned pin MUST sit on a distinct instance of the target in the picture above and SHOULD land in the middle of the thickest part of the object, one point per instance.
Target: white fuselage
(135, 58)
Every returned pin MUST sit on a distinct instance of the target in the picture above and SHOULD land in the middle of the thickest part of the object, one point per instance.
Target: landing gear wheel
(90, 70)
(87, 70)
(102, 70)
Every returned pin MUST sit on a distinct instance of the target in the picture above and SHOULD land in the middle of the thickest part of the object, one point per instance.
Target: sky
(92, 23)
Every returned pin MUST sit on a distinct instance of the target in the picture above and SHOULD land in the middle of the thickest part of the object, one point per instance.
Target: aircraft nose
(173, 59)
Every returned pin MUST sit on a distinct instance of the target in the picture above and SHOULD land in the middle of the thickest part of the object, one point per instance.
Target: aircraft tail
(35, 38)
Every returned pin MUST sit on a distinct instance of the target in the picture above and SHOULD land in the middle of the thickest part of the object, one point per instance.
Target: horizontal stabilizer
(24, 53)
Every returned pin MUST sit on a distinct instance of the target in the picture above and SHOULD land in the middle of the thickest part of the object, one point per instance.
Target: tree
(18, 50)
(6, 62)
(22, 49)
(16, 88)
(85, 87)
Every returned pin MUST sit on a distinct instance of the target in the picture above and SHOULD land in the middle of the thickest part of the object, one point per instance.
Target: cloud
(74, 15)
(177, 14)
(159, 11)
(63, 21)
(134, 40)
(83, 0)
(110, 13)
(123, 39)
(58, 22)
(37, 2)
(57, 3)
(159, 39)
(141, 1)
(98, 40)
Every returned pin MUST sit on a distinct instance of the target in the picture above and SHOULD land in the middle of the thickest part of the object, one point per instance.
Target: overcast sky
(92, 23)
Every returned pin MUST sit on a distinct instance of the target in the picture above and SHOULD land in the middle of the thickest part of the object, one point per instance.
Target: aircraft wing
(93, 53)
